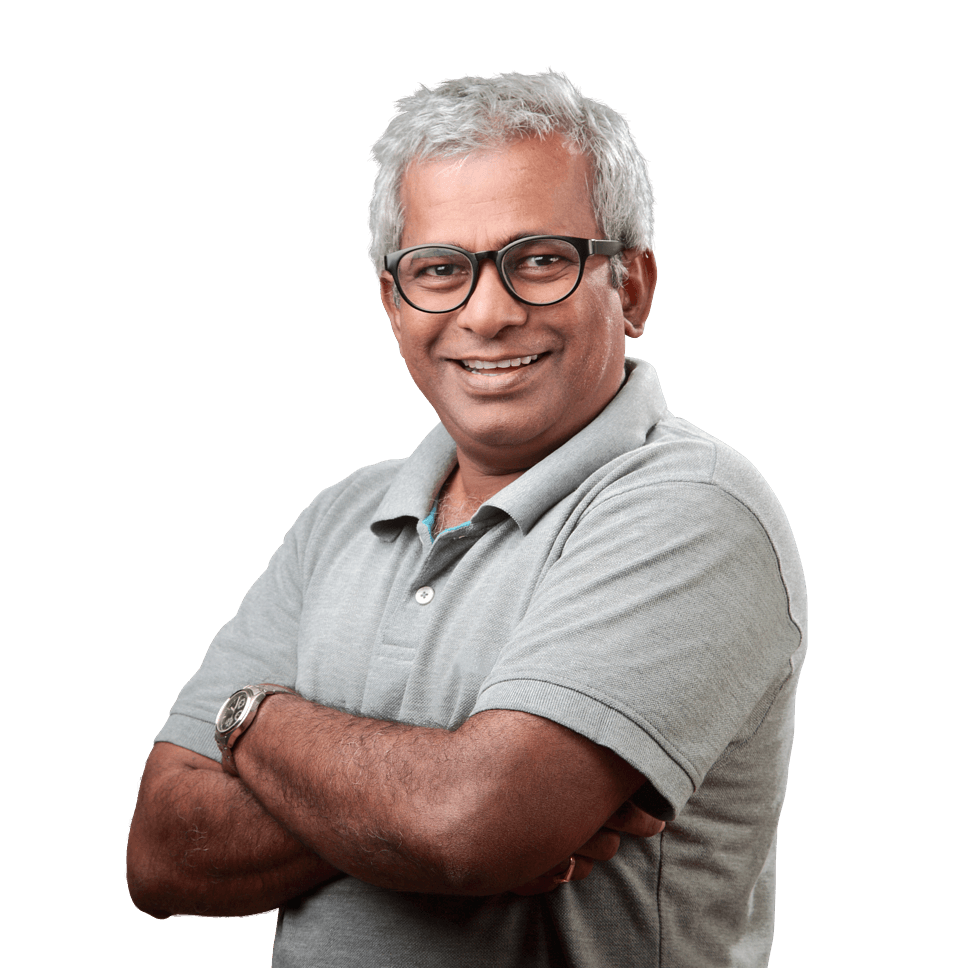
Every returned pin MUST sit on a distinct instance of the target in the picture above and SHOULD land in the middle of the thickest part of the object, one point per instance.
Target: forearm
(200, 843)
(418, 809)
(352, 789)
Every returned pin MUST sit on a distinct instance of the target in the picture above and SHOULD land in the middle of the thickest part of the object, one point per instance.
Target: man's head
(462, 116)
(472, 168)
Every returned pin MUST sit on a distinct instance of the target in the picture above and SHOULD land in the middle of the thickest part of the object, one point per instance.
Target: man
(496, 668)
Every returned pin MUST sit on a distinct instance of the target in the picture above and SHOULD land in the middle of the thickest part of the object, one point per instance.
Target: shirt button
(424, 595)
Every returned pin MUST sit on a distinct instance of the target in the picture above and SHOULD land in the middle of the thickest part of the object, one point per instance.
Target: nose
(491, 307)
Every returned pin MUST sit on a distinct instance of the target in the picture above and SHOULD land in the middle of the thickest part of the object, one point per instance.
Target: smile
(478, 366)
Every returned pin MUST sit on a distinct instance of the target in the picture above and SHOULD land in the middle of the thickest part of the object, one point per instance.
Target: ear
(637, 290)
(391, 305)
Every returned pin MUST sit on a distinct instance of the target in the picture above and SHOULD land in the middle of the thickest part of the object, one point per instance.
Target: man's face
(506, 419)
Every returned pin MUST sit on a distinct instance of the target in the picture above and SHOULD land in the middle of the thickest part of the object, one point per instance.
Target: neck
(467, 488)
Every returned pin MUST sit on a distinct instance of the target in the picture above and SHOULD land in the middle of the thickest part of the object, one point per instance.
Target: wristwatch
(237, 715)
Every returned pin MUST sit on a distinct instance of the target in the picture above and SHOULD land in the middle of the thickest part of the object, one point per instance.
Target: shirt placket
(418, 596)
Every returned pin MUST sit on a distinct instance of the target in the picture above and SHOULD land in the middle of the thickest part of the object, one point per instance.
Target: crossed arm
(499, 804)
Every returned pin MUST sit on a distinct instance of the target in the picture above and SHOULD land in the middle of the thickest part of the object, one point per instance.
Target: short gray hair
(461, 116)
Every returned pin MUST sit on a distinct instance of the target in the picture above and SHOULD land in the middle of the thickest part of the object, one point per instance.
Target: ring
(566, 877)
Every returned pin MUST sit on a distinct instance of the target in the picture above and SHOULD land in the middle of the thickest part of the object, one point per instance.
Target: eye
(428, 272)
(542, 270)
(433, 267)
(542, 261)
(445, 269)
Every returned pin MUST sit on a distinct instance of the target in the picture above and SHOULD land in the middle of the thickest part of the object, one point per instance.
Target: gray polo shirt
(640, 586)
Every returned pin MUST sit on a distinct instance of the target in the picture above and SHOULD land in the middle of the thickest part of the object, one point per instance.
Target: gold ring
(566, 877)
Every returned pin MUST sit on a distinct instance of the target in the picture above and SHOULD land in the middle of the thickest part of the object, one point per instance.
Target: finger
(577, 871)
(548, 881)
(602, 845)
(583, 867)
(630, 819)
(540, 885)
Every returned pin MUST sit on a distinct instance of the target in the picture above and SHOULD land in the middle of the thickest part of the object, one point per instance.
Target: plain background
(193, 346)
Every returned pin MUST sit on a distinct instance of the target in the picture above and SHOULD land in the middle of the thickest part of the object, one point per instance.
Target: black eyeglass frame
(584, 248)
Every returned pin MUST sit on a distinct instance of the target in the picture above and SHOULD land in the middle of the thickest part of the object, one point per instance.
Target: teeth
(477, 365)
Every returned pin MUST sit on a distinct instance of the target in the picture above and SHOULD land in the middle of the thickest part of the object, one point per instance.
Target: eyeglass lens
(437, 279)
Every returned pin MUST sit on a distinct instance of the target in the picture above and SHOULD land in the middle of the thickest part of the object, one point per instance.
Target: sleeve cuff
(598, 722)
(193, 734)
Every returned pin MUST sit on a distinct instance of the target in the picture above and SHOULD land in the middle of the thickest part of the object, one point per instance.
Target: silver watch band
(237, 714)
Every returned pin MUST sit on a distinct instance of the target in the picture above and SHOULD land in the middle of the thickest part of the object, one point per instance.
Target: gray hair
(464, 115)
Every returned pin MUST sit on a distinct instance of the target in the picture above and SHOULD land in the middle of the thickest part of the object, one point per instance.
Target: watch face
(233, 712)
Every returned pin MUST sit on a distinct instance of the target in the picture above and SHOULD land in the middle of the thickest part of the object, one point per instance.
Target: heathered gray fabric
(641, 587)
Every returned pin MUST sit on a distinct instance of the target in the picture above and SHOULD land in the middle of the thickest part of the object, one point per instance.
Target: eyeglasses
(539, 270)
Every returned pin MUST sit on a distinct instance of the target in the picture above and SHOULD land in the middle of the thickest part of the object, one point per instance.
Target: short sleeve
(656, 631)
(258, 645)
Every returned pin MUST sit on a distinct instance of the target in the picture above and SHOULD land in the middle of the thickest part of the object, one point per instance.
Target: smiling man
(525, 698)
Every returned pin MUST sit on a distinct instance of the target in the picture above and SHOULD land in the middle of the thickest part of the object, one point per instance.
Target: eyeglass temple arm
(604, 247)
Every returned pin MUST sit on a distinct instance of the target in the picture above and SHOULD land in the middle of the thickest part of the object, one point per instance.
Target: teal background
(186, 363)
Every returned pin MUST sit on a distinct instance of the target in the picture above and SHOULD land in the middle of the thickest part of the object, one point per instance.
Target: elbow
(146, 899)
(147, 893)
(149, 890)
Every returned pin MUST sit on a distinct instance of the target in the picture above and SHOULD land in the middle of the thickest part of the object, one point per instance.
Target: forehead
(484, 199)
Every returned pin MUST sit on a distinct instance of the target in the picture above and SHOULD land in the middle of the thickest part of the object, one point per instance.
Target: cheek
(416, 337)
(603, 331)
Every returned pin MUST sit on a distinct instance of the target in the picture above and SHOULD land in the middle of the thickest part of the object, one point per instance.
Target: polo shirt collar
(411, 493)
(620, 427)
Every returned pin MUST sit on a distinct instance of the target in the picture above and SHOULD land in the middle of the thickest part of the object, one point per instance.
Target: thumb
(630, 819)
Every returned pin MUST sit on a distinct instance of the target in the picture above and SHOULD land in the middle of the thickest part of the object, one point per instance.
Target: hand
(603, 845)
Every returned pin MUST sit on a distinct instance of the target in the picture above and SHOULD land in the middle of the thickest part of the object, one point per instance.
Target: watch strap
(246, 701)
